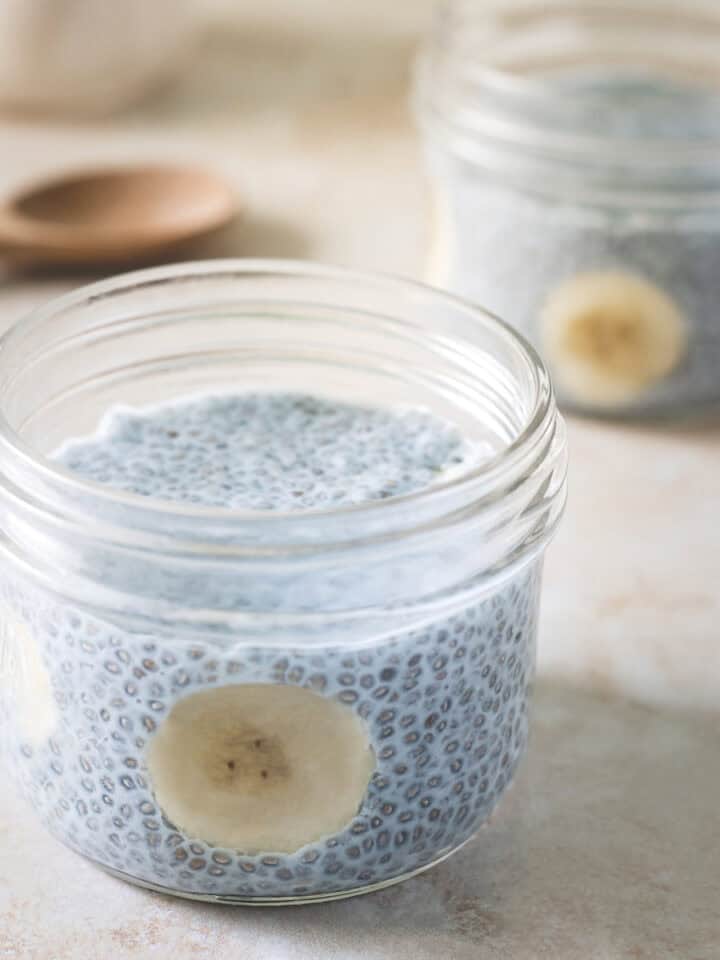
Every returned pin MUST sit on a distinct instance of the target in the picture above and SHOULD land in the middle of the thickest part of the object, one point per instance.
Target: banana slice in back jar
(610, 336)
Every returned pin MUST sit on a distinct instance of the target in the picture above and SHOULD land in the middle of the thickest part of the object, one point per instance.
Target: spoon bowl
(114, 214)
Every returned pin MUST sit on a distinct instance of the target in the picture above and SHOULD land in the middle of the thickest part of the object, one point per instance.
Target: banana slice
(608, 336)
(260, 767)
(35, 710)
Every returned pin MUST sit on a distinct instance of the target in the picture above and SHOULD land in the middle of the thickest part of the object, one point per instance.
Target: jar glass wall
(398, 635)
(574, 153)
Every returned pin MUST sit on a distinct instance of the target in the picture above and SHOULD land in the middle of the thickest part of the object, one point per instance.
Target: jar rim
(544, 400)
(491, 519)
(508, 112)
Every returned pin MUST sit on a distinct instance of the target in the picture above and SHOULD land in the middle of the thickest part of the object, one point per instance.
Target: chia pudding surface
(273, 451)
(444, 704)
(509, 246)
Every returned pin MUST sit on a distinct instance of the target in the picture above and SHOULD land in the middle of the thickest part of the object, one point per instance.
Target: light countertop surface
(609, 846)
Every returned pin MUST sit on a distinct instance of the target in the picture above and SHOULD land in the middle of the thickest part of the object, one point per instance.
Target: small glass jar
(417, 614)
(575, 153)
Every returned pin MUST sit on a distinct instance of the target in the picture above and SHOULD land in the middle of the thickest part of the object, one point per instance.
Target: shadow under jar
(269, 705)
(574, 148)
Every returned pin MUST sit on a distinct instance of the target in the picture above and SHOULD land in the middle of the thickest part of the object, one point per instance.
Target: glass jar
(574, 149)
(416, 614)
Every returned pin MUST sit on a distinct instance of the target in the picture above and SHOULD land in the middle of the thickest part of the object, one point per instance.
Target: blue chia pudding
(253, 771)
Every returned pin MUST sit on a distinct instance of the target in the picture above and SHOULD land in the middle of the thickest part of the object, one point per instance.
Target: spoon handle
(11, 251)
(11, 244)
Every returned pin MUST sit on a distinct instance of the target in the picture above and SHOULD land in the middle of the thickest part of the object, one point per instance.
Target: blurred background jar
(574, 148)
(88, 56)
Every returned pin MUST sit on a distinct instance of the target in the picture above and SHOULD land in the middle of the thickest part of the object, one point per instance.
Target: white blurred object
(82, 56)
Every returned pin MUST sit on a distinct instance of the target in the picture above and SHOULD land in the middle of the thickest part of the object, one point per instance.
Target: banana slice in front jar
(35, 713)
(260, 768)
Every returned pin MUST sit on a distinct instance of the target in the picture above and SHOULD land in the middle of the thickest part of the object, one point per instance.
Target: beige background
(303, 106)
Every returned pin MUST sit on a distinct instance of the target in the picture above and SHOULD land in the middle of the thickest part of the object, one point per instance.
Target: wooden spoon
(115, 214)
